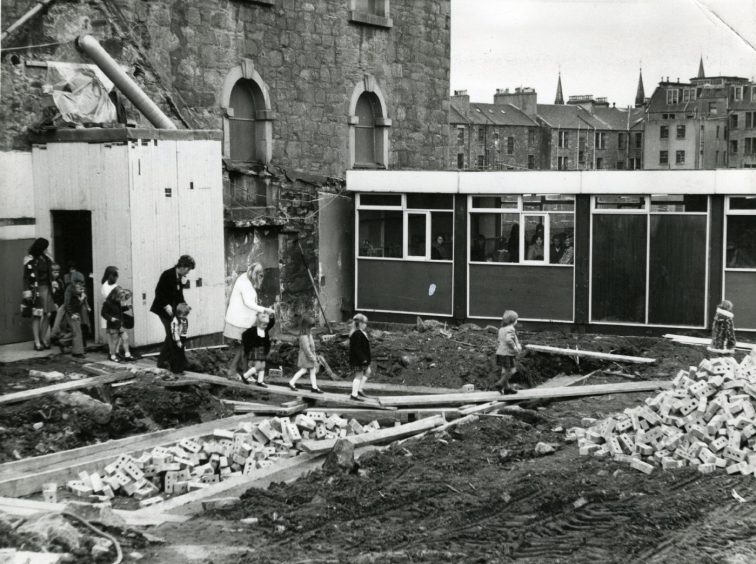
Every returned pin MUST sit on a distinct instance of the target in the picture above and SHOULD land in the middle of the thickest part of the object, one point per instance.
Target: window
(496, 139)
(528, 229)
(664, 132)
(638, 139)
(561, 163)
(750, 146)
(750, 120)
(563, 140)
(620, 165)
(510, 145)
(531, 137)
(635, 163)
(737, 93)
(681, 132)
(753, 93)
(531, 162)
(599, 163)
(734, 147)
(368, 126)
(673, 203)
(247, 116)
(741, 232)
(713, 108)
(600, 140)
(581, 142)
(621, 141)
(370, 12)
(416, 226)
(581, 157)
(663, 157)
(364, 140)
(717, 135)
(460, 160)
(460, 135)
(686, 94)
(679, 157)
(733, 121)
(481, 162)
(481, 134)
(673, 96)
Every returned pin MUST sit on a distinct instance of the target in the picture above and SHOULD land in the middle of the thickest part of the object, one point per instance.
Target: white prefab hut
(136, 199)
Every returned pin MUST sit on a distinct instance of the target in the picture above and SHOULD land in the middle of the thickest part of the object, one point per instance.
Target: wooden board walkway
(590, 354)
(526, 395)
(64, 387)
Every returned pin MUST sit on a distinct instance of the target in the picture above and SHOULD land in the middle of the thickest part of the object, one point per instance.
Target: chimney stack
(462, 98)
(524, 98)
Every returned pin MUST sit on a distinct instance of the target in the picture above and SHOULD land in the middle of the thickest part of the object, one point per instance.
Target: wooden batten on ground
(346, 387)
(64, 387)
(591, 354)
(705, 342)
(264, 408)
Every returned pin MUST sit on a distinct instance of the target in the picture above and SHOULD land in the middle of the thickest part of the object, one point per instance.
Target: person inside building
(478, 250)
(535, 249)
(557, 248)
(169, 292)
(37, 296)
(501, 254)
(513, 245)
(438, 249)
(568, 256)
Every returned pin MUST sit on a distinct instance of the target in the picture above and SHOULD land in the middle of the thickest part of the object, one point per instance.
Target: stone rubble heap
(707, 420)
(195, 464)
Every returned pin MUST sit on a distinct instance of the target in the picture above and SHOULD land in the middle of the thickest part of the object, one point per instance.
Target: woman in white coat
(242, 311)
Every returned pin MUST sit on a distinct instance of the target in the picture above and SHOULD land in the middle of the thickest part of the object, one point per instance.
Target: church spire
(640, 94)
(559, 97)
(701, 73)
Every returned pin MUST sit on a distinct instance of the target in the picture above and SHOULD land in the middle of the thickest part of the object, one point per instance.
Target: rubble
(706, 420)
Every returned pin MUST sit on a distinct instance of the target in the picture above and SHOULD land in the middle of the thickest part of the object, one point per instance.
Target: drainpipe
(91, 47)
(26, 17)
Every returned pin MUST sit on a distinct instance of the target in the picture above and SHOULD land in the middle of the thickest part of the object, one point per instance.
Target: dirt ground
(478, 493)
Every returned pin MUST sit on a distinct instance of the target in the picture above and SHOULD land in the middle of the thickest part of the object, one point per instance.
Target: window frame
(680, 157)
(673, 96)
(680, 129)
(406, 212)
(358, 15)
(728, 212)
(521, 212)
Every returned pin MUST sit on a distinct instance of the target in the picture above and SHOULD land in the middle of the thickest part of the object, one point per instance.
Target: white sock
(297, 376)
(362, 383)
(250, 372)
(260, 376)
(355, 386)
(313, 380)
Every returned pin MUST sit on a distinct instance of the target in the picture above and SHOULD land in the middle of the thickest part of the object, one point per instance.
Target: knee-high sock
(250, 372)
(297, 376)
(356, 385)
(313, 379)
(362, 382)
(260, 375)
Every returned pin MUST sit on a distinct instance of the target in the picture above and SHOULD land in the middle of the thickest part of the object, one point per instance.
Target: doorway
(72, 245)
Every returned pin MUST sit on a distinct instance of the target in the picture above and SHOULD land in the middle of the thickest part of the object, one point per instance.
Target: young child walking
(179, 330)
(308, 359)
(723, 330)
(112, 311)
(506, 352)
(256, 343)
(359, 356)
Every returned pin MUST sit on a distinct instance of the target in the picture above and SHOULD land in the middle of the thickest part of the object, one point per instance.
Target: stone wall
(310, 55)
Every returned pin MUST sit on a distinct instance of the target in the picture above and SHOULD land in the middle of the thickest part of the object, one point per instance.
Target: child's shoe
(114, 358)
(128, 358)
(293, 387)
(316, 390)
(355, 398)
(262, 384)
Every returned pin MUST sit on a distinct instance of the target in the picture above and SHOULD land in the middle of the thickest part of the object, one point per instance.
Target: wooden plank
(564, 380)
(382, 435)
(591, 354)
(64, 387)
(265, 409)
(24, 477)
(524, 395)
(372, 387)
(687, 340)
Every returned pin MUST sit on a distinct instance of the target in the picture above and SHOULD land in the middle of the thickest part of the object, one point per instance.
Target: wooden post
(314, 288)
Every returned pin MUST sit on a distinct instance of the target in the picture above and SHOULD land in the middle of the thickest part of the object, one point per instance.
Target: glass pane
(416, 235)
(241, 140)
(442, 227)
(562, 233)
(678, 203)
(745, 203)
(741, 241)
(534, 237)
(430, 201)
(242, 100)
(548, 202)
(620, 202)
(495, 202)
(380, 233)
(494, 237)
(394, 200)
(364, 151)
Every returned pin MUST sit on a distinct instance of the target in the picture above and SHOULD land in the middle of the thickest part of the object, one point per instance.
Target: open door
(72, 244)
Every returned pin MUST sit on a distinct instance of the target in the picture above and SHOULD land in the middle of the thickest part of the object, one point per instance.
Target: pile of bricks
(707, 420)
(196, 464)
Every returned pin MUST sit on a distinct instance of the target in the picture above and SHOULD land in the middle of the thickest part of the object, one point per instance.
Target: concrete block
(641, 466)
(150, 501)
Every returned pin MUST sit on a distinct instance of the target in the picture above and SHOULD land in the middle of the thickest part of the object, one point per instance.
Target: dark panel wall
(420, 287)
(582, 258)
(716, 254)
(739, 289)
(534, 292)
(677, 270)
(13, 328)
(618, 279)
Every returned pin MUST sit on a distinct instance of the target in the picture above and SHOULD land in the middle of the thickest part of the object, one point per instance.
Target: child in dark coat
(359, 356)
(256, 342)
(179, 330)
(112, 311)
(723, 330)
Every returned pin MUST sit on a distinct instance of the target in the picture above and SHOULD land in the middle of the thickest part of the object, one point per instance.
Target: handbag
(26, 308)
(128, 321)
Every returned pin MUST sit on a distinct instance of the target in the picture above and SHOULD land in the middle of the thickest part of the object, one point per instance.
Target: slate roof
(490, 114)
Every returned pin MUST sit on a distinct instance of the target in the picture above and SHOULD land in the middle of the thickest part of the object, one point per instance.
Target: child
(359, 356)
(723, 330)
(112, 311)
(68, 327)
(179, 329)
(308, 360)
(58, 297)
(256, 342)
(509, 347)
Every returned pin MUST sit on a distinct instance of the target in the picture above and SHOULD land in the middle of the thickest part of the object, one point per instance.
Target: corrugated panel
(200, 191)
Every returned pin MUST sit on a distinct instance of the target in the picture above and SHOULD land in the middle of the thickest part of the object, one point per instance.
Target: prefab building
(136, 199)
(629, 250)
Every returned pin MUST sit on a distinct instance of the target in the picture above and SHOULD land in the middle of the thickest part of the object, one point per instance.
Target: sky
(598, 45)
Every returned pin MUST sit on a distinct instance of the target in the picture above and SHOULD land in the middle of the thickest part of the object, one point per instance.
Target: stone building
(742, 126)
(302, 92)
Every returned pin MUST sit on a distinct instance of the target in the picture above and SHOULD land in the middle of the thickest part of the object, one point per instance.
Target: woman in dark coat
(37, 296)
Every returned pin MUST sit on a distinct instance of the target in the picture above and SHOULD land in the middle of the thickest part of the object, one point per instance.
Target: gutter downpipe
(92, 48)
(26, 17)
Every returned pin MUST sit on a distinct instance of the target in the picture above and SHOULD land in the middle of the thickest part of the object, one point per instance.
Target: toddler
(112, 311)
(256, 343)
(307, 360)
(508, 349)
(359, 356)
(179, 330)
(723, 330)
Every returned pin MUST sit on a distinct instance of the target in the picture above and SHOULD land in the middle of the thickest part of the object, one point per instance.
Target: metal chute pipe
(26, 17)
(92, 48)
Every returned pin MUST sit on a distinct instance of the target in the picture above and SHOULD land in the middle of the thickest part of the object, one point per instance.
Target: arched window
(241, 120)
(248, 116)
(364, 139)
(368, 126)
